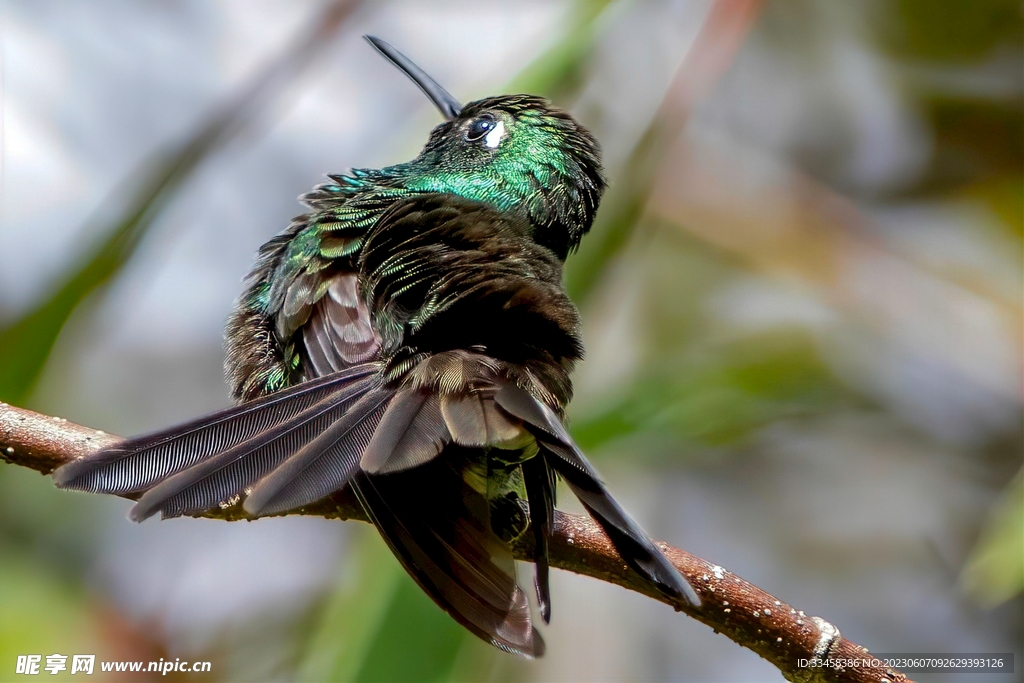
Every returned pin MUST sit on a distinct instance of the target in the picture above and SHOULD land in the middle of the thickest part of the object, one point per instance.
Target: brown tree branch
(749, 616)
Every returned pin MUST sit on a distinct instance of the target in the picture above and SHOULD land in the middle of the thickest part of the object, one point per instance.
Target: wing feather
(338, 332)
(438, 528)
(137, 464)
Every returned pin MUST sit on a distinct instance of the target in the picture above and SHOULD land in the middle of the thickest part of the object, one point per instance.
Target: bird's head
(518, 153)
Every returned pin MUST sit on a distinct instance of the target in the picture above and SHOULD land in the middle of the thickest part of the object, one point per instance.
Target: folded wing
(439, 529)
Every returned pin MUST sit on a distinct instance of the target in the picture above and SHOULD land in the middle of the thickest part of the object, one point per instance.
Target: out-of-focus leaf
(976, 140)
(995, 570)
(25, 344)
(379, 625)
(352, 620)
(41, 615)
(477, 661)
(611, 229)
(718, 399)
(560, 68)
(416, 641)
(957, 31)
(1005, 196)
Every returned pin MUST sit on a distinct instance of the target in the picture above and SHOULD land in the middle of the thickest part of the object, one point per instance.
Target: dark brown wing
(302, 290)
(337, 333)
(439, 529)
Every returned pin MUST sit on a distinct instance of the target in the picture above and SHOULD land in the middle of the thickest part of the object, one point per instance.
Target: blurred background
(802, 307)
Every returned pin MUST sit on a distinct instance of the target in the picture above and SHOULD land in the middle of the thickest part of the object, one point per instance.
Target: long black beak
(442, 99)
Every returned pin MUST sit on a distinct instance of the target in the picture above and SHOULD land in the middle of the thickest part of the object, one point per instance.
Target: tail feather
(540, 492)
(216, 479)
(626, 535)
(138, 464)
(401, 450)
(323, 465)
(411, 433)
(562, 454)
(439, 529)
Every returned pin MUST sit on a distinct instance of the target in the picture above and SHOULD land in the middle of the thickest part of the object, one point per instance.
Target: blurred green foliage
(995, 570)
(25, 343)
(40, 607)
(948, 31)
(412, 644)
(716, 398)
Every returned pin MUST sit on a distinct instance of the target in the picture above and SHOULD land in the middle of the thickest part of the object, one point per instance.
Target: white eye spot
(494, 137)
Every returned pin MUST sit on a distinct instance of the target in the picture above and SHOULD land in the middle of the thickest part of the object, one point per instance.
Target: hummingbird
(410, 337)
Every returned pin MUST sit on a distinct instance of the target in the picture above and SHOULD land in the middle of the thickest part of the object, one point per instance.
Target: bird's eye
(479, 127)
